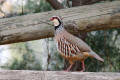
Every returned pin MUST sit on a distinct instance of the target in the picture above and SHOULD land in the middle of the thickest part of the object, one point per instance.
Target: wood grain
(56, 75)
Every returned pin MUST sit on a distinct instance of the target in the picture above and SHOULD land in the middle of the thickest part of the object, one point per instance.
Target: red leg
(68, 69)
(83, 66)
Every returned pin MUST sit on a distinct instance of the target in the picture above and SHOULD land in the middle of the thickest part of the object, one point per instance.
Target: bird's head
(56, 20)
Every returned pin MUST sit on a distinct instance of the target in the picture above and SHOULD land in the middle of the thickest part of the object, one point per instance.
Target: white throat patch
(56, 22)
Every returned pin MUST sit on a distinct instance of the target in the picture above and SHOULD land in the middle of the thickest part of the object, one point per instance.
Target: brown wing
(76, 41)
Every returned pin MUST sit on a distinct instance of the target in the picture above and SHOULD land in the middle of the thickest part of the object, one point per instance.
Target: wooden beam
(78, 19)
(56, 75)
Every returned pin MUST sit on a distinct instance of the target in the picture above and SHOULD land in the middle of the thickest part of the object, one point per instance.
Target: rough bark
(76, 20)
(56, 75)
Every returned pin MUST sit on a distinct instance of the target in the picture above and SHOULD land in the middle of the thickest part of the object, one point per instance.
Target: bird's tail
(93, 54)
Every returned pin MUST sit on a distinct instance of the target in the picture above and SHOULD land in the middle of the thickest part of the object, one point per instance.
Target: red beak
(51, 19)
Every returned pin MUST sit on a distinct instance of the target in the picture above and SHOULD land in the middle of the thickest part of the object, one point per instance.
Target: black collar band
(56, 27)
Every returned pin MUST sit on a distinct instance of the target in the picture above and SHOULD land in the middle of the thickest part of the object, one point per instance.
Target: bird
(71, 47)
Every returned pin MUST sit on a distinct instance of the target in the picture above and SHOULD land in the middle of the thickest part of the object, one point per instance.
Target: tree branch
(55, 4)
(31, 27)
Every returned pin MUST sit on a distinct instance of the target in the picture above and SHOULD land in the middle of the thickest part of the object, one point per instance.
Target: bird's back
(74, 40)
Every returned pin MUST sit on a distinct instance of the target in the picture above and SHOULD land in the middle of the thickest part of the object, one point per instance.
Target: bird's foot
(82, 70)
(83, 67)
(67, 70)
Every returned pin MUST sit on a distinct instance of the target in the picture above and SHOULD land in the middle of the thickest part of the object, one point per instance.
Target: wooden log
(78, 19)
(56, 75)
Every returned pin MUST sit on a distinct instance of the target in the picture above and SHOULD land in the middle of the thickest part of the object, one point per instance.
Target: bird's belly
(74, 58)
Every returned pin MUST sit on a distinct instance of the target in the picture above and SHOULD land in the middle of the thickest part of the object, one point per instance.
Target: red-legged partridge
(71, 47)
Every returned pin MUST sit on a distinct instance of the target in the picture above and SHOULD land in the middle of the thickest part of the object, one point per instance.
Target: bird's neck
(59, 28)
